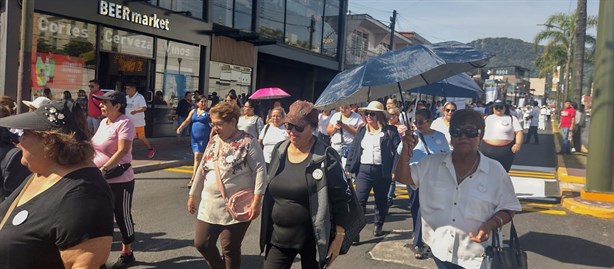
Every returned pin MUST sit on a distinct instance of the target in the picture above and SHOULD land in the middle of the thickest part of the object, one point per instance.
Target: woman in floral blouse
(241, 166)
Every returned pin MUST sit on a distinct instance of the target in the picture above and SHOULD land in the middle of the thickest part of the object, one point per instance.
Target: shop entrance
(117, 69)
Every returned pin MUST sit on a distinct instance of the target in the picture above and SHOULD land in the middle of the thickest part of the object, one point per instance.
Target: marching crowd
(298, 171)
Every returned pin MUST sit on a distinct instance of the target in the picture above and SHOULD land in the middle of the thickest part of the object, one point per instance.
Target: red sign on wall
(57, 71)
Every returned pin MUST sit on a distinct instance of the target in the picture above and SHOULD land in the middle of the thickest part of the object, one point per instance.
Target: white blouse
(450, 210)
(371, 148)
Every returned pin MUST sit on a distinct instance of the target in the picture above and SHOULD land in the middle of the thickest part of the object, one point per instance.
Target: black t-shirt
(183, 108)
(292, 225)
(76, 208)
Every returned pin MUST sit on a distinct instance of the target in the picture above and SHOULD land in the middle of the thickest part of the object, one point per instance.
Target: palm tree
(559, 37)
(580, 35)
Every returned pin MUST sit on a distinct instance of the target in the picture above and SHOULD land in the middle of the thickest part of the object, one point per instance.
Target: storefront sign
(124, 13)
(60, 28)
(114, 40)
(57, 71)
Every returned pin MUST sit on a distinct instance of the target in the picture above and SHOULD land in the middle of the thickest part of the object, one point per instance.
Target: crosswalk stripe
(179, 170)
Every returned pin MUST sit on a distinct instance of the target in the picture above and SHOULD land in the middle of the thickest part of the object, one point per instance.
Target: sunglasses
(499, 107)
(372, 114)
(217, 124)
(419, 122)
(291, 127)
(468, 132)
(450, 110)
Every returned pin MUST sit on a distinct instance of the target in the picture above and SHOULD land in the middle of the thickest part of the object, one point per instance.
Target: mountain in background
(509, 52)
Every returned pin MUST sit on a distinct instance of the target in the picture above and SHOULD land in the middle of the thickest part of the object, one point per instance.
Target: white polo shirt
(450, 211)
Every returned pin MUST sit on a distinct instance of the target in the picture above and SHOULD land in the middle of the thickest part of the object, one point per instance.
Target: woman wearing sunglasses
(305, 207)
(373, 156)
(442, 124)
(464, 195)
(429, 142)
(503, 135)
(235, 158)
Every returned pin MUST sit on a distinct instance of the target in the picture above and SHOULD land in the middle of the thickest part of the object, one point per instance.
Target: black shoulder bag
(498, 257)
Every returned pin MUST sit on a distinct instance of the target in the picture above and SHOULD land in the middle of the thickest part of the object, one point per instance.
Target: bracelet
(340, 234)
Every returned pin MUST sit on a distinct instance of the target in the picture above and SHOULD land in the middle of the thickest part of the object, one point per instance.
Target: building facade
(168, 47)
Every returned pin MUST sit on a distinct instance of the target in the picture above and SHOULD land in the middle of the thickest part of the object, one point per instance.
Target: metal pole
(393, 21)
(25, 52)
(600, 175)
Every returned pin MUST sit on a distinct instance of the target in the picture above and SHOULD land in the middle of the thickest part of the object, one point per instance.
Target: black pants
(577, 138)
(282, 258)
(414, 208)
(370, 177)
(122, 207)
(231, 237)
(502, 154)
(532, 133)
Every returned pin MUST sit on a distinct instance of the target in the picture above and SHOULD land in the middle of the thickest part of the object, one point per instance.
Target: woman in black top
(372, 157)
(62, 216)
(306, 184)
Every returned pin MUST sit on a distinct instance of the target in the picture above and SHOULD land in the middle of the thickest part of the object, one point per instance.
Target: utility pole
(393, 21)
(599, 173)
(25, 52)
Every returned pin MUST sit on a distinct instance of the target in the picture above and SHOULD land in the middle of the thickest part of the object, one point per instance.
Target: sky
(468, 20)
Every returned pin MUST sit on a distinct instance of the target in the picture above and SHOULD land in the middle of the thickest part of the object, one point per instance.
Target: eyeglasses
(419, 122)
(450, 110)
(217, 124)
(371, 114)
(468, 132)
(298, 129)
(499, 107)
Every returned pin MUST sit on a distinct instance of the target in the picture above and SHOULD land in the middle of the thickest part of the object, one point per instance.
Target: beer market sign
(124, 13)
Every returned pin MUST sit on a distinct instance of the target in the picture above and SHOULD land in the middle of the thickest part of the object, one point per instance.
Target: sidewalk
(168, 154)
(571, 173)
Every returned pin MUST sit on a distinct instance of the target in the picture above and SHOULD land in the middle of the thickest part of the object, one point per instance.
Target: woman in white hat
(373, 156)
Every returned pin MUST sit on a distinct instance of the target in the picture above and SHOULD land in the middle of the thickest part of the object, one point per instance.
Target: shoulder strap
(220, 184)
(266, 128)
(15, 202)
(426, 146)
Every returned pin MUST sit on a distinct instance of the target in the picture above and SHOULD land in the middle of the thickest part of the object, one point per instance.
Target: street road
(552, 237)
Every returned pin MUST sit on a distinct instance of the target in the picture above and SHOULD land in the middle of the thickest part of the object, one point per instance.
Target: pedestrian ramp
(533, 182)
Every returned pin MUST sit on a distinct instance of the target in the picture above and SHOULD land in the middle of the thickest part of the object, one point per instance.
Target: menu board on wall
(56, 71)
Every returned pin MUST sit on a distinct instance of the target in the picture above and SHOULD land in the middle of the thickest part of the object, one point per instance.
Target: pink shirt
(105, 143)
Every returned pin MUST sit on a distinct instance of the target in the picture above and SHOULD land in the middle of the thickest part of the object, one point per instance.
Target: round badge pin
(438, 142)
(317, 174)
(230, 159)
(20, 217)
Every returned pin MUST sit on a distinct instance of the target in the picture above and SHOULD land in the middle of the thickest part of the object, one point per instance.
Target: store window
(330, 37)
(271, 15)
(124, 42)
(177, 70)
(192, 8)
(63, 55)
(223, 77)
(304, 24)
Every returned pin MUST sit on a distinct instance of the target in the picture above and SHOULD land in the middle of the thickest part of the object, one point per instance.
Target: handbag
(117, 171)
(239, 204)
(498, 257)
(356, 215)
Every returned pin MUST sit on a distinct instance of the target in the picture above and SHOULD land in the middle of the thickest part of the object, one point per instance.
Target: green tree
(559, 38)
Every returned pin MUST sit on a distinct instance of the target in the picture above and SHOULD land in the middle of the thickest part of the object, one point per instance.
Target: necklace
(473, 167)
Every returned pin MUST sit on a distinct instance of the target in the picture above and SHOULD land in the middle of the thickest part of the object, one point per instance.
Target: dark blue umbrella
(461, 85)
(402, 69)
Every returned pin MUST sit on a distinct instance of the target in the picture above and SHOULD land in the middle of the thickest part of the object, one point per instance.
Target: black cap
(498, 102)
(53, 115)
(113, 96)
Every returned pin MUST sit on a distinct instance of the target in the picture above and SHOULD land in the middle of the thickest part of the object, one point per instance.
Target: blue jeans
(565, 147)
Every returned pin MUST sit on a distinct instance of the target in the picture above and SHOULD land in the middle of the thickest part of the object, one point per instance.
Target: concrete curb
(596, 209)
(144, 168)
